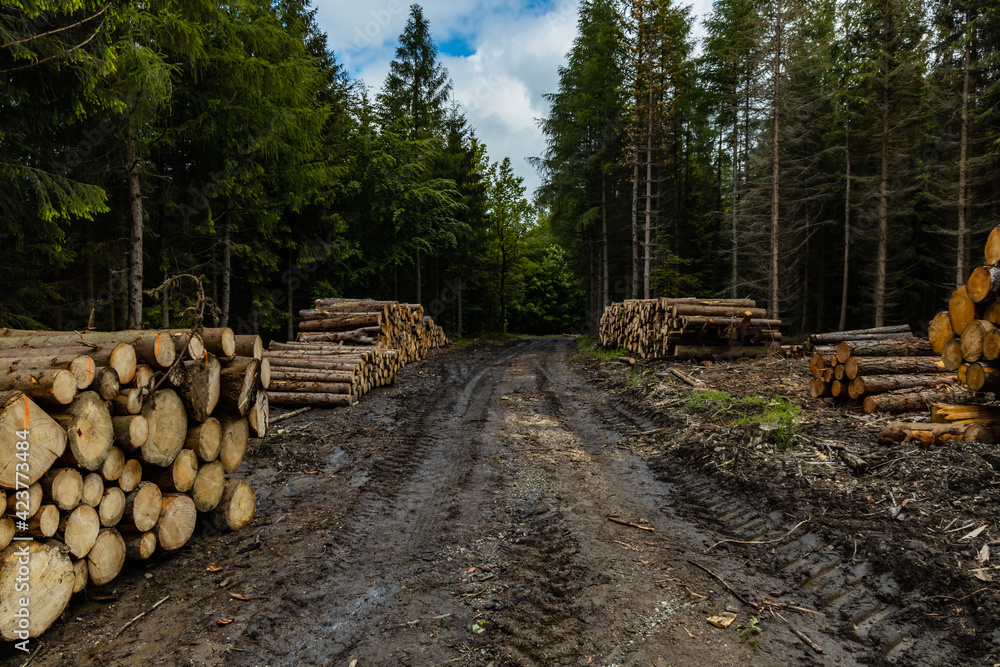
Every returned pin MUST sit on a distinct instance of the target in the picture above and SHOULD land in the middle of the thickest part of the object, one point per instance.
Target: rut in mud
(462, 517)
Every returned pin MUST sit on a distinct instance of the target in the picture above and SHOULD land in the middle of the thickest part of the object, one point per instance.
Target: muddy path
(496, 507)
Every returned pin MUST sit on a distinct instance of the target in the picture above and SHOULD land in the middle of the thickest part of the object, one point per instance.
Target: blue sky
(502, 56)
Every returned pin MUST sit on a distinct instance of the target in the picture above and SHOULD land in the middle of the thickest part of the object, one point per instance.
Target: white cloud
(517, 50)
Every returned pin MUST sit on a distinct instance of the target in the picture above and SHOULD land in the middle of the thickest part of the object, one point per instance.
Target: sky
(503, 57)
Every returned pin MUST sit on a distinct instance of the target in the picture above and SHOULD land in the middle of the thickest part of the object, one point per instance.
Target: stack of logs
(111, 445)
(967, 335)
(886, 368)
(347, 347)
(689, 328)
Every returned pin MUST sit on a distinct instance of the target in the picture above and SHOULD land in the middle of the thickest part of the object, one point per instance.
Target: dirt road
(464, 516)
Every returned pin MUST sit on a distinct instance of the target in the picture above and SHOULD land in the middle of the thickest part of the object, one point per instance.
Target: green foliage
(588, 347)
(702, 398)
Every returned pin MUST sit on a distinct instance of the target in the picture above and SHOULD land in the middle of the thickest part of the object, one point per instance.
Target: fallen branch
(289, 415)
(722, 581)
(650, 432)
(127, 625)
(633, 525)
(759, 541)
(684, 377)
(801, 635)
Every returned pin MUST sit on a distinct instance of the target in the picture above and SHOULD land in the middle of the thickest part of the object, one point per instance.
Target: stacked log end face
(346, 348)
(111, 446)
(688, 328)
(886, 369)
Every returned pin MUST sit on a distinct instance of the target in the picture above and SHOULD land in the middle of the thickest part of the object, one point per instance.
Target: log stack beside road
(887, 369)
(112, 444)
(689, 328)
(347, 347)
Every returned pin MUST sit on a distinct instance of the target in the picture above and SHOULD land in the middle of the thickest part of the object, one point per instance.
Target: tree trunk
(939, 331)
(881, 269)
(136, 233)
(648, 231)
(775, 306)
(634, 293)
(961, 264)
(734, 278)
(458, 291)
(139, 546)
(227, 273)
(879, 384)
(847, 216)
(605, 276)
(418, 277)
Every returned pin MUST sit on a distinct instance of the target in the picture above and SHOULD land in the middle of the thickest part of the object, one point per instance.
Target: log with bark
(858, 366)
(982, 376)
(983, 283)
(915, 401)
(878, 384)
(89, 429)
(142, 508)
(62, 487)
(938, 433)
(151, 347)
(895, 347)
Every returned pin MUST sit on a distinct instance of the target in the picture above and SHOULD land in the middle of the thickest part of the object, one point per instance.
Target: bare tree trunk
(961, 265)
(91, 300)
(775, 308)
(418, 276)
(135, 237)
(605, 277)
(227, 264)
(735, 251)
(165, 306)
(847, 218)
(458, 290)
(646, 259)
(291, 307)
(883, 213)
(635, 228)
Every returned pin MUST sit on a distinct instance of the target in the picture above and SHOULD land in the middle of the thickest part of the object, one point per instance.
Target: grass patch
(699, 399)
(589, 348)
(753, 410)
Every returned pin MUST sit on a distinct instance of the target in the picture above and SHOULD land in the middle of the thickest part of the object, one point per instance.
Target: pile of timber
(887, 369)
(967, 335)
(689, 328)
(347, 347)
(112, 444)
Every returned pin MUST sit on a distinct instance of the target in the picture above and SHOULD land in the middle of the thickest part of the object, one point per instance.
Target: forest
(835, 161)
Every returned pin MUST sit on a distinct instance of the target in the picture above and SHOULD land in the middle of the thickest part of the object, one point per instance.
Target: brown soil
(462, 517)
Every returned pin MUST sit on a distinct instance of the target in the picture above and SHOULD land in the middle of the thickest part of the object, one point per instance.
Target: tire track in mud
(409, 499)
(863, 606)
